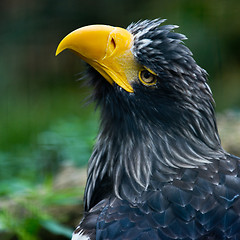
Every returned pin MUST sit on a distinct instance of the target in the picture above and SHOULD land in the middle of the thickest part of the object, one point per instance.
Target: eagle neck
(133, 153)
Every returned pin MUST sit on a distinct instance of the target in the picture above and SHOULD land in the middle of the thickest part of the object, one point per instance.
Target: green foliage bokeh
(44, 123)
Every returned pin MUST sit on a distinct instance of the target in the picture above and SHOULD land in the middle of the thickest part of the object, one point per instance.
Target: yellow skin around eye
(150, 83)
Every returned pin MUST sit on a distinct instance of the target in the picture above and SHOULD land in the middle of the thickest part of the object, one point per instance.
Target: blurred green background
(46, 131)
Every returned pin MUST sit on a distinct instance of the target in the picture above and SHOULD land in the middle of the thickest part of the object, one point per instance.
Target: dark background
(45, 129)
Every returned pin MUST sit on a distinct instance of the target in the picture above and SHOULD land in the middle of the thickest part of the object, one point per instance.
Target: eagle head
(157, 110)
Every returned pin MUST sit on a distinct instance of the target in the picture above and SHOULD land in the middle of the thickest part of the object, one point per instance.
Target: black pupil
(147, 74)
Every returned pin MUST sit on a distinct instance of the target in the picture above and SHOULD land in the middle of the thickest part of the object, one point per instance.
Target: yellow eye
(147, 78)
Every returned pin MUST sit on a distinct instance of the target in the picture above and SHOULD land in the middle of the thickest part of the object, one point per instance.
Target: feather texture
(158, 170)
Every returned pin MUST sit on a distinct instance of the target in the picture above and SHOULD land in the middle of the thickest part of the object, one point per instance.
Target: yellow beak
(106, 48)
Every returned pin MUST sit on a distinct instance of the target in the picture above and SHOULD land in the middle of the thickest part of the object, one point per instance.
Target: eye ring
(147, 78)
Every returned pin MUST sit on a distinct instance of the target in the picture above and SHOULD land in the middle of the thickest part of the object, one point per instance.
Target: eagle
(157, 170)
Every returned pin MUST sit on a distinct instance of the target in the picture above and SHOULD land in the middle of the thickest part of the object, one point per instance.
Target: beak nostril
(112, 44)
